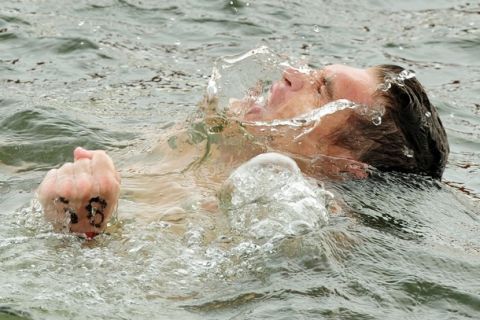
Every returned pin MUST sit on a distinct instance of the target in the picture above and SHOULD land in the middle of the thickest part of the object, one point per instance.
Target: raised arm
(81, 196)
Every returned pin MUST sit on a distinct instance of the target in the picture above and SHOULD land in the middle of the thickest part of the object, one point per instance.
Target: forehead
(355, 84)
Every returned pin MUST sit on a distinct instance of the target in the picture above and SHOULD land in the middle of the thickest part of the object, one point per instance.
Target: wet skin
(300, 92)
(84, 193)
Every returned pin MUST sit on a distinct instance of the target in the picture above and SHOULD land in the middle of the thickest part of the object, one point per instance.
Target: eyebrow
(329, 86)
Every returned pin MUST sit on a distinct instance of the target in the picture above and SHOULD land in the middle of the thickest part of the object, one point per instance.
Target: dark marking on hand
(69, 212)
(97, 203)
(95, 208)
(97, 219)
(63, 200)
(73, 216)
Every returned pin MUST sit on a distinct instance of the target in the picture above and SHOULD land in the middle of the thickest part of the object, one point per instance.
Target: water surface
(118, 74)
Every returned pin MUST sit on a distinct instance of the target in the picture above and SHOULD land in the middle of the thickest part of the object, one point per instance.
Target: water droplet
(385, 86)
(316, 28)
(212, 89)
(428, 114)
(408, 152)
(405, 74)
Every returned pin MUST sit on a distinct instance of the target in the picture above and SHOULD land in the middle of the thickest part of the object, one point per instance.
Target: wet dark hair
(410, 137)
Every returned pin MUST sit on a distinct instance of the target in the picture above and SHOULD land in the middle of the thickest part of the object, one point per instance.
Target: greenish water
(116, 74)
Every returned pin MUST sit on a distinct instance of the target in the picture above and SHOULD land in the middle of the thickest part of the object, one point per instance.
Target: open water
(117, 74)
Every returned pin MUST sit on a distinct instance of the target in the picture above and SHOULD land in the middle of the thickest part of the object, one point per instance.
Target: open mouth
(254, 108)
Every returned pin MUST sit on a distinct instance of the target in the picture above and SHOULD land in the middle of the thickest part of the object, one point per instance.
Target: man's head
(421, 138)
(395, 127)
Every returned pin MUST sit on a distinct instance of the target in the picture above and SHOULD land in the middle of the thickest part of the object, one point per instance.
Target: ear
(329, 124)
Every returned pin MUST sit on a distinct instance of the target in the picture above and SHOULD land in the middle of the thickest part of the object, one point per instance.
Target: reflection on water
(117, 74)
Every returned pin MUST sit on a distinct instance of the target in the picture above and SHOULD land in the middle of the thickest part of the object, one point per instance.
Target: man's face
(299, 92)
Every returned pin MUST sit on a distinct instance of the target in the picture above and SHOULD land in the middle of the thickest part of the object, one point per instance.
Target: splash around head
(380, 116)
(299, 91)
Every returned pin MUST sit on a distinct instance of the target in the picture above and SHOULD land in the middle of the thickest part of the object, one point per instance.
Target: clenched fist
(81, 196)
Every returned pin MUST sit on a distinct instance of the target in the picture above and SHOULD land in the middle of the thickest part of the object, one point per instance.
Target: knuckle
(100, 154)
(82, 166)
(66, 167)
(84, 185)
(65, 188)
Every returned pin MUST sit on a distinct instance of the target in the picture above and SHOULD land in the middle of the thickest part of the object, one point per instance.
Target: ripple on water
(10, 313)
(403, 250)
(45, 136)
(68, 45)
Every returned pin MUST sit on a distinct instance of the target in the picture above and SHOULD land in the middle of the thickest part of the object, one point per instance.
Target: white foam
(268, 197)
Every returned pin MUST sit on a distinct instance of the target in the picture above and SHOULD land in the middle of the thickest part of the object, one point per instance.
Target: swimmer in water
(408, 137)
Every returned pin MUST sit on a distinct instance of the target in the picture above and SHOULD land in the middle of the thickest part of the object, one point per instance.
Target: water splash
(246, 75)
(377, 120)
(408, 152)
(405, 74)
(268, 198)
(212, 88)
(308, 121)
(299, 66)
(385, 86)
(398, 79)
(235, 59)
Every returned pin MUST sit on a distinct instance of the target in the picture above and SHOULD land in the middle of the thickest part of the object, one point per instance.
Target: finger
(82, 166)
(106, 176)
(104, 166)
(83, 179)
(46, 189)
(108, 186)
(109, 164)
(64, 184)
(100, 157)
(81, 153)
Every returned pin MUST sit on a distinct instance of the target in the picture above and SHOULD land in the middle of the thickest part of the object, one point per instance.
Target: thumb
(81, 153)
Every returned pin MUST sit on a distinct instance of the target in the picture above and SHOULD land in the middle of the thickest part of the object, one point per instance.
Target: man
(391, 126)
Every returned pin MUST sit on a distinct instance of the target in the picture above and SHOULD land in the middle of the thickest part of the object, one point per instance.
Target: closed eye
(288, 82)
(322, 87)
(327, 84)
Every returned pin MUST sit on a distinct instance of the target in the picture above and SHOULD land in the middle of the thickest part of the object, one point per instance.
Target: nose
(294, 78)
